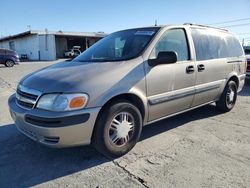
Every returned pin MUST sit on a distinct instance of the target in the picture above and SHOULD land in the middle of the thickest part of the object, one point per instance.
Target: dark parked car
(247, 53)
(8, 57)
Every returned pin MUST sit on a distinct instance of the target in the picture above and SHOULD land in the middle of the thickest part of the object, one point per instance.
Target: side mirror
(167, 57)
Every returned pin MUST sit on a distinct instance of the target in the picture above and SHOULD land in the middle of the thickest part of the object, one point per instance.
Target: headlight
(62, 102)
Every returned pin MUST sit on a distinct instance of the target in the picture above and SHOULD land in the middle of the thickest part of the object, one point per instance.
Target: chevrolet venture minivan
(129, 79)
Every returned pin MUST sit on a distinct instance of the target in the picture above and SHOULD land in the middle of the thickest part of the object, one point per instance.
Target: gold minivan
(129, 79)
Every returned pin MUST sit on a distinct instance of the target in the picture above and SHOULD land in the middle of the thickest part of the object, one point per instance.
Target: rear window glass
(212, 44)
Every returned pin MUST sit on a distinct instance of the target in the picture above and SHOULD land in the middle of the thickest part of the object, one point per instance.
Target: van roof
(186, 24)
(206, 26)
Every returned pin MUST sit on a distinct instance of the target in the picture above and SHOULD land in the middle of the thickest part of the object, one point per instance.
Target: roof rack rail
(205, 26)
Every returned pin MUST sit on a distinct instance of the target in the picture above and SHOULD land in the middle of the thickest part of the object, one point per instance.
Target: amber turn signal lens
(77, 102)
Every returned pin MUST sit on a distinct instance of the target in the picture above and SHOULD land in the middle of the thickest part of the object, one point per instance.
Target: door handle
(190, 69)
(201, 67)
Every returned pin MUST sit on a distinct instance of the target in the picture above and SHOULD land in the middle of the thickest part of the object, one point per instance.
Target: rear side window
(212, 44)
(173, 40)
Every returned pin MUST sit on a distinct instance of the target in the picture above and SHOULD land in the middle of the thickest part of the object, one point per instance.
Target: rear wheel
(9, 63)
(228, 97)
(117, 129)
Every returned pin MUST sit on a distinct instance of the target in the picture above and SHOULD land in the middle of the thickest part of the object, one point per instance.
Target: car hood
(77, 77)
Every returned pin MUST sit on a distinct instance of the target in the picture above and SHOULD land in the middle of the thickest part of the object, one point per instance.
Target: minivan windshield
(119, 46)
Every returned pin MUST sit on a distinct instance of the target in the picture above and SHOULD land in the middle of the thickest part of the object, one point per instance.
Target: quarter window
(173, 40)
(234, 47)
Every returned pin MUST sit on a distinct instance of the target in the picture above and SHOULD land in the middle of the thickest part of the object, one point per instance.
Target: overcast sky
(111, 15)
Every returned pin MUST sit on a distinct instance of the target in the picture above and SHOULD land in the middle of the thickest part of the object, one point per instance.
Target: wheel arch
(130, 97)
(233, 77)
(9, 59)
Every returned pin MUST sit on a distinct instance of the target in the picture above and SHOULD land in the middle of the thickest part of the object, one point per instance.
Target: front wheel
(228, 97)
(118, 129)
(9, 63)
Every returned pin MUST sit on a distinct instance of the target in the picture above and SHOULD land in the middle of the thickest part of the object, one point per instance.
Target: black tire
(9, 63)
(227, 102)
(103, 132)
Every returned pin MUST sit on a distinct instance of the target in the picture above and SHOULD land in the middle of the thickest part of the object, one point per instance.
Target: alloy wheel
(121, 129)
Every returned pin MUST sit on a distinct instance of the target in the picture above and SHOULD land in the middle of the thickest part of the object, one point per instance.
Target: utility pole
(46, 39)
(155, 22)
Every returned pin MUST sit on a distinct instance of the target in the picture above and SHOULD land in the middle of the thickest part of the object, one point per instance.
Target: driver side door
(170, 87)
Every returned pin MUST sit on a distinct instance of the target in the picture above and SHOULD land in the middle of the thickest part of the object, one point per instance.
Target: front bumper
(54, 129)
(16, 60)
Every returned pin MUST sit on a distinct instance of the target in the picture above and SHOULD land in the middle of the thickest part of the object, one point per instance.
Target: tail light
(245, 70)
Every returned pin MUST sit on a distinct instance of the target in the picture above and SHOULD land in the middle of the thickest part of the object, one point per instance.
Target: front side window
(173, 40)
(119, 46)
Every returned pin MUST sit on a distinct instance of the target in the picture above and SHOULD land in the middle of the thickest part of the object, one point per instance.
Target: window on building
(12, 45)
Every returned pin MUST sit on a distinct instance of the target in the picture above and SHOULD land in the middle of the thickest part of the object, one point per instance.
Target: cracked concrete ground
(200, 148)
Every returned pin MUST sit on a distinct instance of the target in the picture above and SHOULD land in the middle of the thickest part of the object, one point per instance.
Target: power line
(230, 21)
(242, 33)
(236, 25)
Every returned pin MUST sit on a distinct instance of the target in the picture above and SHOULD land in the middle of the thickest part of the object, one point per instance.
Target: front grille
(42, 121)
(25, 104)
(27, 95)
(26, 98)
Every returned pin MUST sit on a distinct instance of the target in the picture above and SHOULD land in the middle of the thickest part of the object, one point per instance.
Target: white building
(48, 45)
